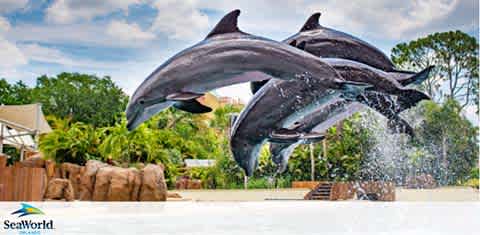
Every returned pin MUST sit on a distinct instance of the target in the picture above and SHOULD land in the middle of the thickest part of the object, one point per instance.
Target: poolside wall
(18, 183)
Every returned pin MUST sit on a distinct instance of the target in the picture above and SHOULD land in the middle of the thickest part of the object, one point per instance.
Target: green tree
(450, 137)
(347, 144)
(76, 143)
(17, 93)
(455, 55)
(80, 97)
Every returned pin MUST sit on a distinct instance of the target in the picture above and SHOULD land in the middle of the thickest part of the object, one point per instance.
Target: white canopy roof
(24, 117)
(16, 138)
(19, 123)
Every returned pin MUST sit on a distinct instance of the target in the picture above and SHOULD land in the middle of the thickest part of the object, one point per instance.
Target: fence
(19, 183)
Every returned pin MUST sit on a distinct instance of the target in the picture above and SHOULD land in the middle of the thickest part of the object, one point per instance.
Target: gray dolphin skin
(318, 121)
(280, 103)
(216, 62)
(326, 42)
(329, 43)
(277, 105)
(337, 110)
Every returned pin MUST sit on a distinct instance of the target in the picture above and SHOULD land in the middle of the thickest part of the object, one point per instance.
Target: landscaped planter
(376, 190)
(305, 184)
(342, 191)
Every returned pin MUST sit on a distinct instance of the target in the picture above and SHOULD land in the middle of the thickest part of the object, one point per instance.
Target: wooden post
(1, 138)
(324, 142)
(245, 182)
(312, 162)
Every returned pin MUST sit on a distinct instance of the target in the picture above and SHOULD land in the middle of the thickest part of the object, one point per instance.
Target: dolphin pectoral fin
(284, 136)
(183, 96)
(399, 125)
(255, 86)
(409, 98)
(418, 78)
(312, 137)
(192, 106)
(301, 45)
(351, 90)
(293, 43)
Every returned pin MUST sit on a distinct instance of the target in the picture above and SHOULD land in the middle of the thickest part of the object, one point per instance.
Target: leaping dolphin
(217, 61)
(329, 43)
(280, 103)
(318, 121)
(337, 110)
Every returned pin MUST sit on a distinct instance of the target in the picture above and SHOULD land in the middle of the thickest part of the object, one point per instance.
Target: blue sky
(127, 39)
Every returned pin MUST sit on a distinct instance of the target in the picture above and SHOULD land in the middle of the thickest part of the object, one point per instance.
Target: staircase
(320, 192)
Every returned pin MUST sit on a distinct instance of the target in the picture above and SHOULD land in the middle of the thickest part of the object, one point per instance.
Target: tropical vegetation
(87, 116)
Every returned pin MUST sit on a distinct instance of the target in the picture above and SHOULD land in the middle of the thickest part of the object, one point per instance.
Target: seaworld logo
(27, 210)
(28, 226)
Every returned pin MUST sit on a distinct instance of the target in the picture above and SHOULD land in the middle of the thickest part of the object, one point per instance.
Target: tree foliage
(12, 94)
(80, 97)
(455, 55)
(451, 138)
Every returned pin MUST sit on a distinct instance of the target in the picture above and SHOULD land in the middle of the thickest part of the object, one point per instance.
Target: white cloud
(383, 19)
(69, 11)
(179, 19)
(4, 25)
(12, 5)
(10, 55)
(470, 113)
(131, 33)
(85, 34)
(39, 53)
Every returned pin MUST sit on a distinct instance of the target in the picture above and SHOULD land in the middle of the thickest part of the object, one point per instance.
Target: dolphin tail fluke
(409, 98)
(192, 106)
(418, 78)
(352, 90)
(256, 85)
(399, 125)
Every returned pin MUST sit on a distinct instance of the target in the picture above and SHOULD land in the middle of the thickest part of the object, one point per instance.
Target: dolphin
(326, 42)
(318, 121)
(337, 110)
(217, 61)
(324, 117)
(329, 43)
(292, 100)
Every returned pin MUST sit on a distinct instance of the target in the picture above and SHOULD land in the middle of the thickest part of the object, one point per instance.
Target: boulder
(117, 184)
(134, 182)
(102, 184)
(124, 184)
(50, 169)
(59, 189)
(87, 179)
(72, 172)
(153, 186)
(194, 184)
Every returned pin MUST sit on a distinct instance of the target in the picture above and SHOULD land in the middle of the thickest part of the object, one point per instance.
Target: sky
(128, 39)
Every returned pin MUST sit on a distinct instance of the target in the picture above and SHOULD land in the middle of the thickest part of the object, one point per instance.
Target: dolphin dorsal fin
(312, 22)
(228, 24)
